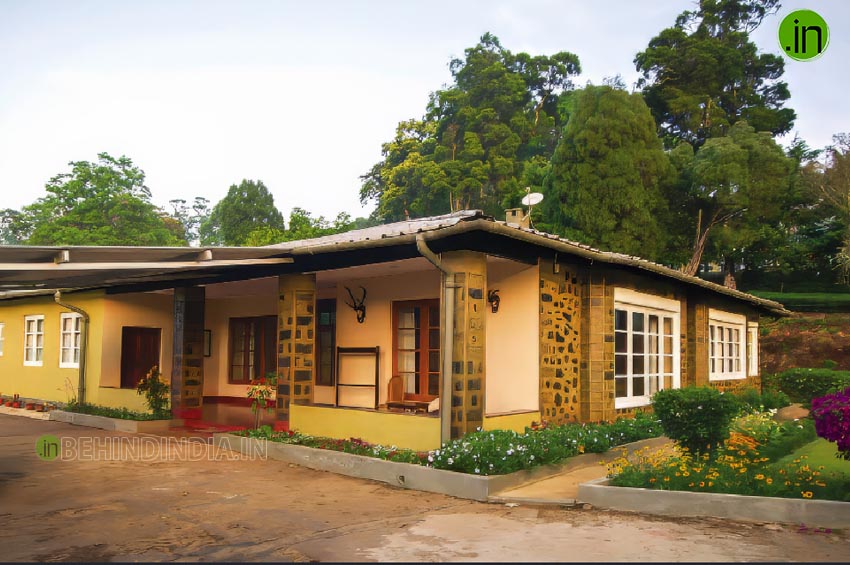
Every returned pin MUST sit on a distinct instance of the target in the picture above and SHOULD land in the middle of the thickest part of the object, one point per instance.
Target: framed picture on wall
(207, 343)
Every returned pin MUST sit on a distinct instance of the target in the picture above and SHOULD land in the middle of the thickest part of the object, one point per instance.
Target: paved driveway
(213, 510)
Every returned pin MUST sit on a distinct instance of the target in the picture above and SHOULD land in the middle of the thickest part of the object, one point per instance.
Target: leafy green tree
(100, 203)
(740, 191)
(704, 74)
(829, 182)
(608, 174)
(13, 227)
(470, 149)
(302, 225)
(247, 207)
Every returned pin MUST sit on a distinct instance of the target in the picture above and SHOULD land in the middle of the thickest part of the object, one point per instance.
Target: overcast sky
(299, 94)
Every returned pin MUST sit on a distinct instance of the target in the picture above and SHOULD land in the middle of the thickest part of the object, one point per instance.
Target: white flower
(450, 461)
(477, 470)
(430, 458)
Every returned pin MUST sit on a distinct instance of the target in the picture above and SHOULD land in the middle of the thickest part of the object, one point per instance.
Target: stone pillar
(468, 353)
(187, 372)
(698, 345)
(560, 343)
(597, 342)
(296, 322)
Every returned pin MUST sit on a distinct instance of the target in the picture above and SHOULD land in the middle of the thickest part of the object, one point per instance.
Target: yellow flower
(806, 494)
(759, 477)
(701, 483)
(742, 470)
(666, 479)
(769, 481)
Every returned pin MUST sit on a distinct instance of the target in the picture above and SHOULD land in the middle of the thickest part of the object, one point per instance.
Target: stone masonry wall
(296, 341)
(560, 343)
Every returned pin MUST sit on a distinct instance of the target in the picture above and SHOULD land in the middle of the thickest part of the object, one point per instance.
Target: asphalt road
(85, 508)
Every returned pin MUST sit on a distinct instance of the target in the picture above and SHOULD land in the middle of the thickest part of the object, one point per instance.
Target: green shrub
(120, 413)
(829, 364)
(156, 392)
(697, 418)
(802, 385)
(751, 400)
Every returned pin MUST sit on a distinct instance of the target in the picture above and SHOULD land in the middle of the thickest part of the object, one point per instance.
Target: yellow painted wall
(421, 433)
(48, 381)
(377, 328)
(217, 319)
(516, 422)
(513, 351)
(146, 310)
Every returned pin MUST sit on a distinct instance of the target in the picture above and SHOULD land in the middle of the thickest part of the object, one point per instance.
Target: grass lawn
(821, 452)
(836, 471)
(809, 301)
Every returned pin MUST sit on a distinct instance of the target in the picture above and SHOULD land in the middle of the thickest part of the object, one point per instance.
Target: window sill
(635, 402)
(730, 377)
(33, 364)
(68, 366)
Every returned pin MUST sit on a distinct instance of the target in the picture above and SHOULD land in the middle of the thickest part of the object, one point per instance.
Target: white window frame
(722, 352)
(36, 362)
(2, 338)
(752, 349)
(632, 301)
(76, 336)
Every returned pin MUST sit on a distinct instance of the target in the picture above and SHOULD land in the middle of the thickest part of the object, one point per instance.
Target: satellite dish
(532, 198)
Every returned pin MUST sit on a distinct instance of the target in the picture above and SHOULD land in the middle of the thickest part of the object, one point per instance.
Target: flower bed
(747, 463)
(495, 452)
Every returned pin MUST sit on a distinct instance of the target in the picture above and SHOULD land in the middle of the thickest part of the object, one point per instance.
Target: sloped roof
(436, 227)
(25, 269)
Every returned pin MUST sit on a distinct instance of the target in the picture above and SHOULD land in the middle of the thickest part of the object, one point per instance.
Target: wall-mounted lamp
(493, 299)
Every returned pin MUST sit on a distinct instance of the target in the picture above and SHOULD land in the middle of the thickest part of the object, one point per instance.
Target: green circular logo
(47, 447)
(803, 35)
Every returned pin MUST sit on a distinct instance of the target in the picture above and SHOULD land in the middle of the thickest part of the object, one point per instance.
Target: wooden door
(140, 349)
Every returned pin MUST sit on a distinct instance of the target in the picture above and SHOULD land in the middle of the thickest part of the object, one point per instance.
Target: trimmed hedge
(802, 385)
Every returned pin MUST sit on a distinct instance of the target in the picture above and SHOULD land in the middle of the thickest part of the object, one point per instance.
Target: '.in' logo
(47, 447)
(803, 35)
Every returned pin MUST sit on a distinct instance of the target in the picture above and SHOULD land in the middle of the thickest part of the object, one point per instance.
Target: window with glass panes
(645, 353)
(325, 341)
(33, 340)
(69, 340)
(752, 349)
(253, 348)
(726, 334)
(416, 347)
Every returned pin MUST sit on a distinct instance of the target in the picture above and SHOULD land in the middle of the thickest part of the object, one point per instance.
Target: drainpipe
(84, 339)
(449, 286)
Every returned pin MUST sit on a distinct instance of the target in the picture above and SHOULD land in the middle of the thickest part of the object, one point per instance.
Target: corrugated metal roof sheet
(386, 231)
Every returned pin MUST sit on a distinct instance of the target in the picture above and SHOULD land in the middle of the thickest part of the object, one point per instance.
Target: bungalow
(409, 333)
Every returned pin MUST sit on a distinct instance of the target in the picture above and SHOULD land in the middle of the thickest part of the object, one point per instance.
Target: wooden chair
(395, 392)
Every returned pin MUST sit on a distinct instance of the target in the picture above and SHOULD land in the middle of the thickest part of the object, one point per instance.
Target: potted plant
(262, 393)
(29, 405)
(39, 407)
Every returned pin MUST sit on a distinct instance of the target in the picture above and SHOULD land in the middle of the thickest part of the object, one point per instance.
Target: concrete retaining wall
(114, 424)
(815, 513)
(406, 475)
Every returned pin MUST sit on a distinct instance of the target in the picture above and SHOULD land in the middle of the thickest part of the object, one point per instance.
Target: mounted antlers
(357, 305)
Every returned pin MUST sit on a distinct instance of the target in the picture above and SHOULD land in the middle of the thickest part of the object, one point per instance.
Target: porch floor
(225, 417)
